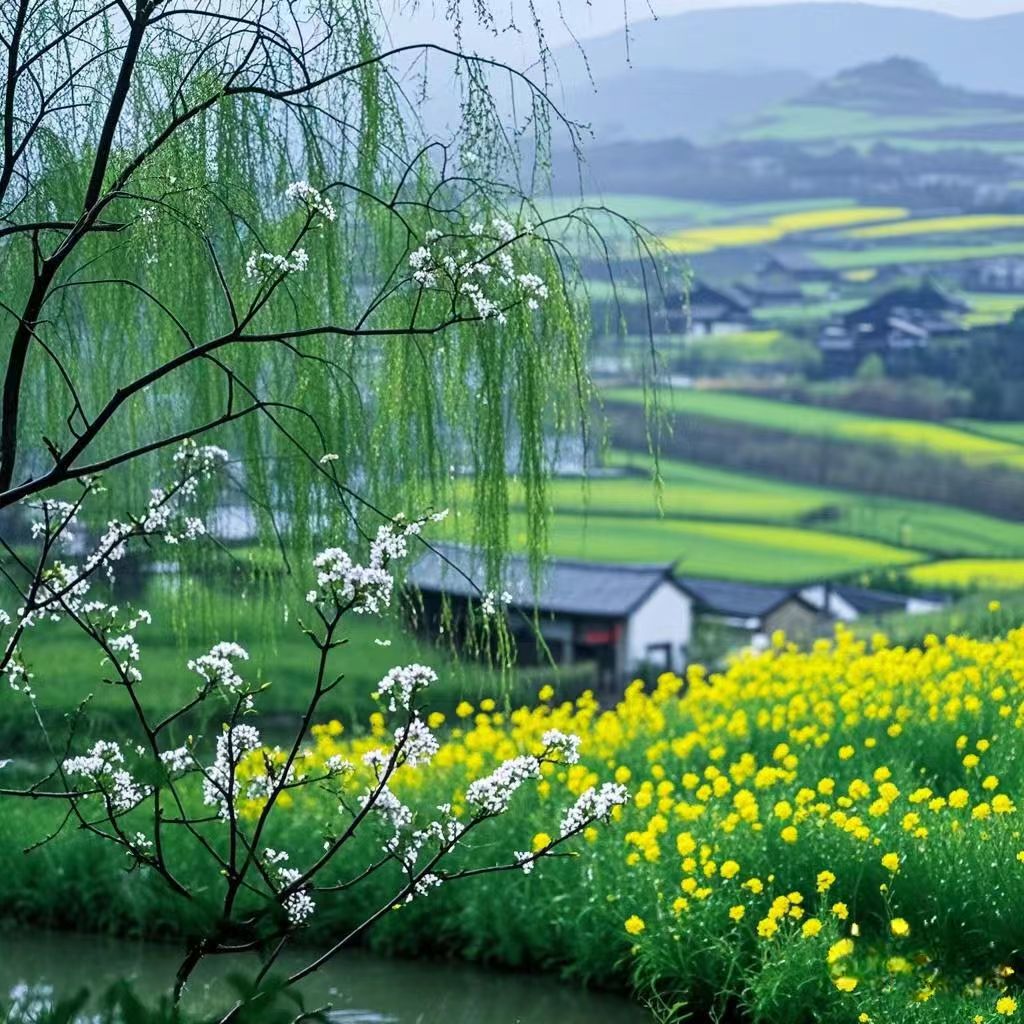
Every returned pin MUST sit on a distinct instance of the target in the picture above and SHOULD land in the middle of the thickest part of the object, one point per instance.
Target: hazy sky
(598, 17)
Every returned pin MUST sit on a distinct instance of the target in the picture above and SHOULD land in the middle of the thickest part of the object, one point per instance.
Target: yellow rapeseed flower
(839, 950)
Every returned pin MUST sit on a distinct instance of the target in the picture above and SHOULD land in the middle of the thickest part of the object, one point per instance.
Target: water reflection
(361, 988)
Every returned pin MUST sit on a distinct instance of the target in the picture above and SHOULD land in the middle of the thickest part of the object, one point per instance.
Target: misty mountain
(658, 103)
(818, 40)
(899, 85)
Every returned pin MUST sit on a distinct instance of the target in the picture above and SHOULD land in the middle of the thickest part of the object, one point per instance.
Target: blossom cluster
(594, 804)
(313, 199)
(365, 589)
(221, 783)
(104, 767)
(217, 669)
(402, 684)
(297, 904)
(269, 264)
(480, 270)
(493, 793)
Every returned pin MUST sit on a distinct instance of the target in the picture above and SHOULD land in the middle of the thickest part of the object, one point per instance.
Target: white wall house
(844, 603)
(622, 619)
(659, 629)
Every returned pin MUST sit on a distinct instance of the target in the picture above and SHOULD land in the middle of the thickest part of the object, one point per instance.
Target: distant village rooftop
(564, 586)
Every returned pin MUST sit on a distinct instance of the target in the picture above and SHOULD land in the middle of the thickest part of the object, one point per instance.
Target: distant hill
(900, 85)
(813, 39)
(658, 103)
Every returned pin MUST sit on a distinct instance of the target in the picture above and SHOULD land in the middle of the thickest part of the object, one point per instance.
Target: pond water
(360, 987)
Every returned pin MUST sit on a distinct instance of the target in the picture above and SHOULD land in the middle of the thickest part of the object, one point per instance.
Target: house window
(659, 656)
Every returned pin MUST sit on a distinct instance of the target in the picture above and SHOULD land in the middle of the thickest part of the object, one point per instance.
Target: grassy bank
(186, 623)
(828, 836)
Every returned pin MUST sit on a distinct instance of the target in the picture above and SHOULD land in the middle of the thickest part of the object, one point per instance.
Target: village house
(844, 347)
(893, 326)
(842, 602)
(625, 620)
(752, 609)
(927, 303)
(617, 622)
(708, 310)
(793, 267)
(999, 275)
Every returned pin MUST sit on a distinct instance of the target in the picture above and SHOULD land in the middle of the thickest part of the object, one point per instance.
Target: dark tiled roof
(795, 262)
(702, 295)
(871, 602)
(740, 600)
(576, 588)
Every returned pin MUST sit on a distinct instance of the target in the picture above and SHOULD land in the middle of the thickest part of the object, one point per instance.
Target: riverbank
(359, 987)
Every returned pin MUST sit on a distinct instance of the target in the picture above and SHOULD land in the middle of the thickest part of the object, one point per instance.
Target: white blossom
(483, 272)
(561, 746)
(266, 264)
(525, 860)
(221, 786)
(418, 744)
(217, 669)
(104, 767)
(493, 792)
(313, 199)
(403, 683)
(593, 805)
(493, 601)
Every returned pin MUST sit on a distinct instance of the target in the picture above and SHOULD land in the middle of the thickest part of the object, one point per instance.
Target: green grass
(66, 667)
(806, 312)
(834, 423)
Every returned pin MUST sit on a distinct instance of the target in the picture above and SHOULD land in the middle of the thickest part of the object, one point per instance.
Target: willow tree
(222, 230)
(223, 219)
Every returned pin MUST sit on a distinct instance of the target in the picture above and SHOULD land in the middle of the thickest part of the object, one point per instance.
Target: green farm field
(880, 255)
(796, 122)
(661, 212)
(1003, 431)
(990, 574)
(690, 490)
(756, 552)
(937, 438)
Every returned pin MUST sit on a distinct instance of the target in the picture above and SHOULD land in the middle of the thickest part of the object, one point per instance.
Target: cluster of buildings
(898, 325)
(895, 327)
(626, 620)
